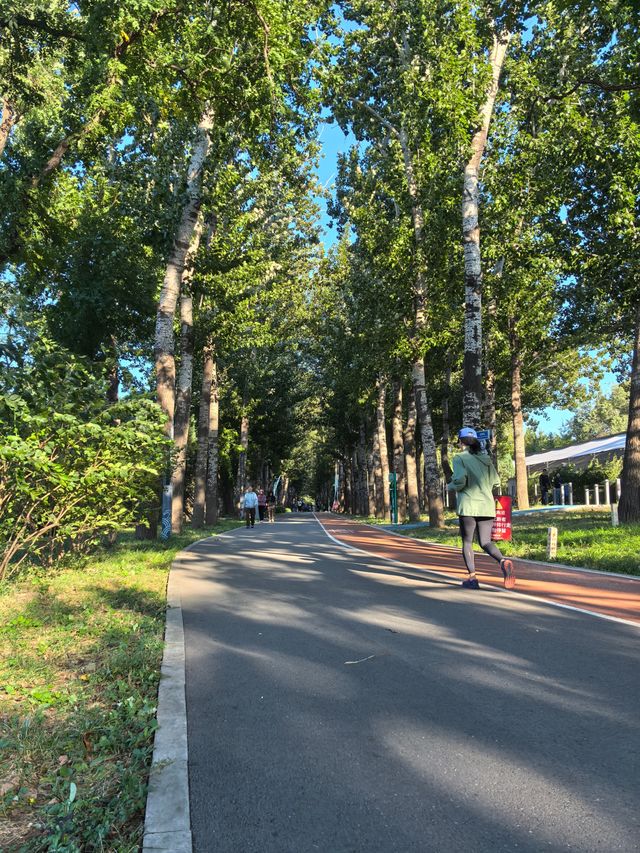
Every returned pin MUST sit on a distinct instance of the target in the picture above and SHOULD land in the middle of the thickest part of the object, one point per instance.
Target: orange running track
(595, 592)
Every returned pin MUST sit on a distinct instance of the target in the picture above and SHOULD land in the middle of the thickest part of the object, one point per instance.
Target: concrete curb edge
(167, 822)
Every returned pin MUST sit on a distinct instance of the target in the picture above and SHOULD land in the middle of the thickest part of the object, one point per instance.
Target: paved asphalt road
(336, 707)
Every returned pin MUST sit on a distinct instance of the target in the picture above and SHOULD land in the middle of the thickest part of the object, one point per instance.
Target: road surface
(338, 703)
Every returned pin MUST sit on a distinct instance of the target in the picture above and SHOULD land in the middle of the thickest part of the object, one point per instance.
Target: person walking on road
(262, 504)
(250, 506)
(271, 507)
(474, 478)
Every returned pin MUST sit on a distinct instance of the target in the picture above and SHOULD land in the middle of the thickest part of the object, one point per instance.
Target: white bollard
(571, 494)
(586, 496)
(615, 522)
(596, 492)
(607, 493)
(618, 490)
(552, 542)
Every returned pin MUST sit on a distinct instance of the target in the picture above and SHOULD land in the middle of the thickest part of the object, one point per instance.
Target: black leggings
(469, 524)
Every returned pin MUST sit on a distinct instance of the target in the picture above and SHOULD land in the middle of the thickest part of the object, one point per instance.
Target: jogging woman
(474, 478)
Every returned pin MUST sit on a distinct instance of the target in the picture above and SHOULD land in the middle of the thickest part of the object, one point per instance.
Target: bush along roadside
(80, 654)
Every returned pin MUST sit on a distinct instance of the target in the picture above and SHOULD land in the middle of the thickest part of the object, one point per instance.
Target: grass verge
(585, 538)
(80, 653)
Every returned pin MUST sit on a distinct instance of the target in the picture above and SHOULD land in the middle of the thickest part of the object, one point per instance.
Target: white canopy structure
(577, 453)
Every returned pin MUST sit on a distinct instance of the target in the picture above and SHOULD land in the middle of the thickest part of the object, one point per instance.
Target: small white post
(586, 495)
(596, 492)
(562, 495)
(571, 494)
(614, 515)
(607, 493)
(552, 542)
(618, 490)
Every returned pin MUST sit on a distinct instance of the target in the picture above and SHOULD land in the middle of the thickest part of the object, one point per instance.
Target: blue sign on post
(167, 492)
(484, 437)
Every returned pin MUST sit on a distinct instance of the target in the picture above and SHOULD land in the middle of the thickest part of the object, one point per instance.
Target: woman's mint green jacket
(473, 479)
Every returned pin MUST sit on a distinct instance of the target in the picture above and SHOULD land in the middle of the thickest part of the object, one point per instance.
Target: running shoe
(508, 573)
(471, 583)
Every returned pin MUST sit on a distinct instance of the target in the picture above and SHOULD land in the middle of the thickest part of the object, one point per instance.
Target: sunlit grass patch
(79, 667)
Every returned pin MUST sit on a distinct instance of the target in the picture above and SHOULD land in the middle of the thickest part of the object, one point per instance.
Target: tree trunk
(384, 450)
(203, 439)
(398, 451)
(241, 477)
(7, 121)
(472, 379)
(410, 459)
(489, 412)
(183, 387)
(377, 473)
(629, 507)
(447, 470)
(183, 410)
(363, 486)
(163, 349)
(348, 492)
(522, 488)
(431, 475)
(211, 488)
(371, 484)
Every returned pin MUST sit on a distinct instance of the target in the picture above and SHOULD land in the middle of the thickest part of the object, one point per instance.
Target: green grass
(585, 538)
(80, 651)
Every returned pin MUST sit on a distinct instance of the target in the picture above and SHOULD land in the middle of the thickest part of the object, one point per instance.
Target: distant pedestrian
(474, 478)
(545, 486)
(250, 505)
(557, 488)
(262, 504)
(271, 507)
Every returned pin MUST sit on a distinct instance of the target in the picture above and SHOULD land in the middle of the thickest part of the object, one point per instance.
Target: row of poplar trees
(159, 212)
(488, 206)
(160, 217)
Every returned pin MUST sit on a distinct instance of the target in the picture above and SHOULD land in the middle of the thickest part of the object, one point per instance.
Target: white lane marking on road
(520, 595)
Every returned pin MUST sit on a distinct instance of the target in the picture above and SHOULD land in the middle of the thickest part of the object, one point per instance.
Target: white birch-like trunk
(183, 386)
(211, 496)
(472, 378)
(413, 501)
(163, 349)
(432, 480)
(431, 473)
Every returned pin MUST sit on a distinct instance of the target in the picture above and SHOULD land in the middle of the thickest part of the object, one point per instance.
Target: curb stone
(167, 822)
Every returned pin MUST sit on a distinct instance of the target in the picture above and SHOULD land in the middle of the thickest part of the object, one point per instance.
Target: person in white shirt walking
(250, 505)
